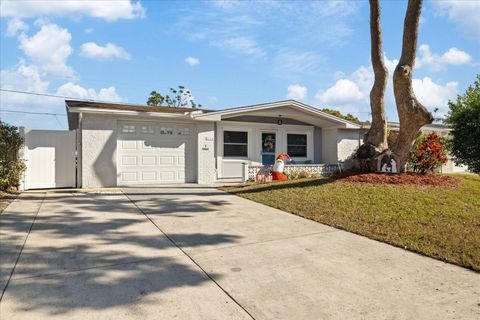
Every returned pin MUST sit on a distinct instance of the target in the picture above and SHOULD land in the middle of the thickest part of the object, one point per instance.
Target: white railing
(311, 169)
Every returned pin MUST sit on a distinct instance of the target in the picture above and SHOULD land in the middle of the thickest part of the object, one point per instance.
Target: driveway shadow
(96, 252)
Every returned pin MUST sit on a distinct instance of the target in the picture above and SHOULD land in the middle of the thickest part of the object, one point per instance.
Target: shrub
(428, 153)
(302, 174)
(11, 167)
(464, 119)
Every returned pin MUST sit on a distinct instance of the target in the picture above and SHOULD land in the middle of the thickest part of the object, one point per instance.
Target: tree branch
(377, 134)
(412, 114)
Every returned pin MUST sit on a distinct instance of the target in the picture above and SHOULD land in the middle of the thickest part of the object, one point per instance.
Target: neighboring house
(120, 144)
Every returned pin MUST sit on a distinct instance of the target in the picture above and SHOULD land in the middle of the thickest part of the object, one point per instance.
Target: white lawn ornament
(389, 163)
(394, 166)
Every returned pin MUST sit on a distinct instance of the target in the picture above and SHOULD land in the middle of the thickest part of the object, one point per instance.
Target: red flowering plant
(428, 153)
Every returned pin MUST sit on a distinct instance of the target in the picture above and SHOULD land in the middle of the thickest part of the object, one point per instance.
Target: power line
(47, 95)
(30, 112)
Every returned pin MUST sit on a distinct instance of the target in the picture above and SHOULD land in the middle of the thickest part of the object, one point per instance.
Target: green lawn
(440, 222)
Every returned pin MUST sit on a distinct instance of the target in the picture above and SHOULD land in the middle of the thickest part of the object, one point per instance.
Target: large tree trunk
(377, 135)
(412, 114)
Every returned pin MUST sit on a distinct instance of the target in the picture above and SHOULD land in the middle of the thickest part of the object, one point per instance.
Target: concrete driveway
(199, 253)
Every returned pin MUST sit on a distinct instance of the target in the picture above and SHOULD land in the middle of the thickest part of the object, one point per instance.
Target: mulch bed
(399, 178)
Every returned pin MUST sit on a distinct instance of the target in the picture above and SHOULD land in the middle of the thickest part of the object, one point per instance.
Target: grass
(439, 222)
(6, 198)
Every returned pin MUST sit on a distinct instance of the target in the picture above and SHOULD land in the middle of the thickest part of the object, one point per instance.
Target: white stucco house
(121, 144)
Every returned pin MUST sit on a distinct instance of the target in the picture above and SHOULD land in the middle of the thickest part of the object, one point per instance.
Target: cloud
(49, 48)
(455, 57)
(242, 45)
(70, 89)
(246, 27)
(434, 95)
(192, 61)
(92, 50)
(351, 93)
(291, 63)
(463, 13)
(344, 91)
(297, 92)
(435, 62)
(14, 26)
(335, 8)
(107, 10)
(23, 77)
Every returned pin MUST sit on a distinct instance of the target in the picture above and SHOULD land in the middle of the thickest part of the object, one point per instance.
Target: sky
(228, 53)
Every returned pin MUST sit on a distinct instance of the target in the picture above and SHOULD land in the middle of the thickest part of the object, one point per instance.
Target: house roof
(428, 127)
(129, 107)
(307, 113)
(74, 107)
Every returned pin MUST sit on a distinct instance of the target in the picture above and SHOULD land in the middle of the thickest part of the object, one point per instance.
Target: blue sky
(227, 53)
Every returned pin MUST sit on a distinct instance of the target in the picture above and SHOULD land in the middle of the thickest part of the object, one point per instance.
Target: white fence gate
(50, 159)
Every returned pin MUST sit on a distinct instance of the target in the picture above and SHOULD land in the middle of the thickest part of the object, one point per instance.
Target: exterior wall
(329, 145)
(259, 119)
(234, 167)
(78, 145)
(348, 142)
(317, 145)
(99, 151)
(206, 171)
(99, 148)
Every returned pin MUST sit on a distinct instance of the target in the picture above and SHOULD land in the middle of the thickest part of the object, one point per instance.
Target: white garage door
(155, 153)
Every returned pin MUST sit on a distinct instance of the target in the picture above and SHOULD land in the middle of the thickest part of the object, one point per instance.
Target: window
(235, 144)
(297, 145)
(183, 131)
(128, 128)
(166, 131)
(147, 129)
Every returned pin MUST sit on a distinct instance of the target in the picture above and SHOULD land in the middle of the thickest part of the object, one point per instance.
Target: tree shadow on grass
(281, 185)
(89, 252)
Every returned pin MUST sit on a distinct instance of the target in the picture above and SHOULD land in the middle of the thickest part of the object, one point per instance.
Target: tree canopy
(336, 113)
(178, 98)
(464, 118)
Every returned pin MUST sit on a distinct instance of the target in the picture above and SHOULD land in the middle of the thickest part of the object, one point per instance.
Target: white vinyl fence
(50, 159)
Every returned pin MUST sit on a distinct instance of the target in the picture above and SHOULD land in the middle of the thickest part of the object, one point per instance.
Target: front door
(268, 148)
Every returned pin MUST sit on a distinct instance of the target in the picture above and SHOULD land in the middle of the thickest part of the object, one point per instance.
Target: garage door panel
(129, 145)
(149, 160)
(181, 176)
(166, 160)
(129, 176)
(129, 160)
(149, 175)
(167, 176)
(155, 153)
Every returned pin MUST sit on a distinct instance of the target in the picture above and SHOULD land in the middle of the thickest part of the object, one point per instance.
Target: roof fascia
(127, 112)
(217, 115)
